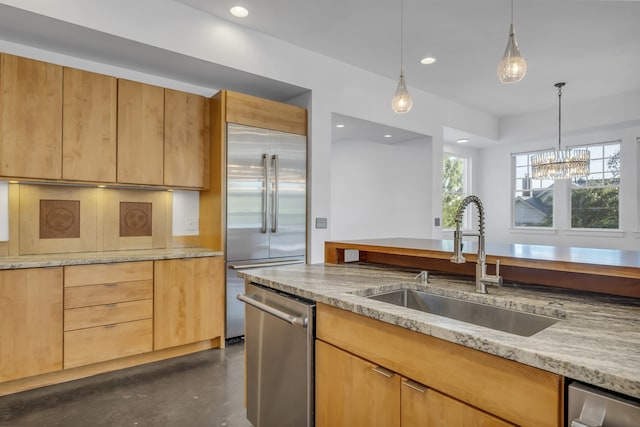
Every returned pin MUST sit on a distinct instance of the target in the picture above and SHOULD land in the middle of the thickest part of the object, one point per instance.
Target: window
(595, 201)
(455, 187)
(533, 198)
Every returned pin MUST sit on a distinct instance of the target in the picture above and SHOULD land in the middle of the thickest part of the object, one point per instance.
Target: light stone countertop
(597, 340)
(80, 258)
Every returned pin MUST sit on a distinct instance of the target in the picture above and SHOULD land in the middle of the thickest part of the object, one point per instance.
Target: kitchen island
(596, 341)
(607, 271)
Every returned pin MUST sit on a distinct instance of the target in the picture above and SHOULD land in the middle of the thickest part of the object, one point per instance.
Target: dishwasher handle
(289, 318)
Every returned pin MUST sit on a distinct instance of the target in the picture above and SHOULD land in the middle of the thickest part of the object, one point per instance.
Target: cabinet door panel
(140, 133)
(30, 118)
(349, 391)
(186, 139)
(188, 301)
(30, 322)
(424, 407)
(89, 126)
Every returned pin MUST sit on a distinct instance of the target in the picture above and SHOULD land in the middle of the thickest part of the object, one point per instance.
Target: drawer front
(92, 345)
(84, 296)
(94, 274)
(107, 314)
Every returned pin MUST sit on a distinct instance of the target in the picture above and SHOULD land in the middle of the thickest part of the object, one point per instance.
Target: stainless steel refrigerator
(266, 207)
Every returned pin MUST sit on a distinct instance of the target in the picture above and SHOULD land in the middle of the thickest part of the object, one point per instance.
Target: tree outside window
(595, 200)
(455, 188)
(532, 198)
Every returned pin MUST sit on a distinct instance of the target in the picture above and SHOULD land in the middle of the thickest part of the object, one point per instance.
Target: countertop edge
(85, 258)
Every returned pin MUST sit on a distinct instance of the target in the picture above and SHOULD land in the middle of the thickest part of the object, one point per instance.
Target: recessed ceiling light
(340, 126)
(388, 136)
(239, 11)
(428, 60)
(462, 140)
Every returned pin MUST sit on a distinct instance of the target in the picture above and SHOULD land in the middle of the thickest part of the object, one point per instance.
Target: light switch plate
(321, 223)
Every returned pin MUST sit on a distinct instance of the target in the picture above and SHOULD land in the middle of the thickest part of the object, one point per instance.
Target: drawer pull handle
(110, 305)
(415, 386)
(110, 285)
(113, 325)
(383, 371)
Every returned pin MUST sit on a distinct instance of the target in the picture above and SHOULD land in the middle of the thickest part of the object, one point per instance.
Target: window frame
(466, 183)
(514, 190)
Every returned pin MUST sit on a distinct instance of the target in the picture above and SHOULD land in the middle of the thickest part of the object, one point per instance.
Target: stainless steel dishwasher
(279, 356)
(588, 406)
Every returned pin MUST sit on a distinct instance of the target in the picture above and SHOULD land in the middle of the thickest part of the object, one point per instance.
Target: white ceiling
(593, 45)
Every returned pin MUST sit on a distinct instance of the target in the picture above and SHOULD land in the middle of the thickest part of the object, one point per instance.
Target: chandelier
(560, 164)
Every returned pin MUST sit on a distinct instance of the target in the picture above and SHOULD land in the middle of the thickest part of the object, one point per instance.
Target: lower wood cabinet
(188, 301)
(388, 375)
(30, 322)
(351, 391)
(108, 312)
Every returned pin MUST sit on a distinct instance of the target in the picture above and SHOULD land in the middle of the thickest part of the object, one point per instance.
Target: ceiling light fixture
(560, 164)
(401, 102)
(239, 12)
(388, 135)
(512, 66)
(340, 125)
(428, 60)
(462, 141)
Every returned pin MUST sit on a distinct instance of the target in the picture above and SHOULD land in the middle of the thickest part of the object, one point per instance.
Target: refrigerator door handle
(265, 167)
(276, 194)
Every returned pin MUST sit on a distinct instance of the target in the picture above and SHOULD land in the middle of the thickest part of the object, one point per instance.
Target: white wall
(381, 190)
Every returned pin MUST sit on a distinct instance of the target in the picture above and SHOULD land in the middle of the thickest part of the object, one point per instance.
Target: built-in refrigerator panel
(266, 206)
(288, 219)
(246, 193)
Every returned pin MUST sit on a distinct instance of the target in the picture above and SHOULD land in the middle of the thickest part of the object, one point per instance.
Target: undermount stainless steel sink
(498, 318)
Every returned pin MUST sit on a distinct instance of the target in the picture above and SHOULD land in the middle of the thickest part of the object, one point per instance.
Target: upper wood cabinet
(140, 133)
(89, 126)
(30, 118)
(186, 139)
(30, 322)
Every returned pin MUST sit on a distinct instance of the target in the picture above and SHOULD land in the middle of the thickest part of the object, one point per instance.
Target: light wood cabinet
(30, 322)
(425, 407)
(188, 301)
(351, 391)
(89, 126)
(108, 312)
(186, 139)
(140, 133)
(484, 384)
(30, 118)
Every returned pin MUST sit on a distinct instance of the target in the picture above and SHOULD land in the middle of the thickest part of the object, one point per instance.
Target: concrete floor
(197, 390)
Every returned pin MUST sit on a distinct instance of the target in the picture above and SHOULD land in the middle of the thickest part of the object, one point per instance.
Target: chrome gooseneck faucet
(482, 278)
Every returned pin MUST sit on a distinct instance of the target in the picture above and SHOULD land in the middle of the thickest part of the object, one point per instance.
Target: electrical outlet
(437, 222)
(321, 223)
(191, 223)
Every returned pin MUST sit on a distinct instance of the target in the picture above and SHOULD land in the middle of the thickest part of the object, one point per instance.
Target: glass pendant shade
(401, 102)
(512, 66)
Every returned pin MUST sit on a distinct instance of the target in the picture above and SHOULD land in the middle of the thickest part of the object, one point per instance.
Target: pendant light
(512, 66)
(401, 102)
(560, 164)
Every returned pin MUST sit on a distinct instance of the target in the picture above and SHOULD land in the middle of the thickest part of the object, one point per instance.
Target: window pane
(450, 203)
(535, 210)
(595, 208)
(454, 189)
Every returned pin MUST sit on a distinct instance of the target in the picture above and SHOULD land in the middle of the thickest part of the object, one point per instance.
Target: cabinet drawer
(93, 345)
(107, 314)
(84, 296)
(82, 275)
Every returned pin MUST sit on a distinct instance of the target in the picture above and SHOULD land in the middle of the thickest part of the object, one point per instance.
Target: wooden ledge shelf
(606, 271)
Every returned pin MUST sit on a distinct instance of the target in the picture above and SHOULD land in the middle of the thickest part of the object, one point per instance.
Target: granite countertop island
(58, 260)
(596, 341)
